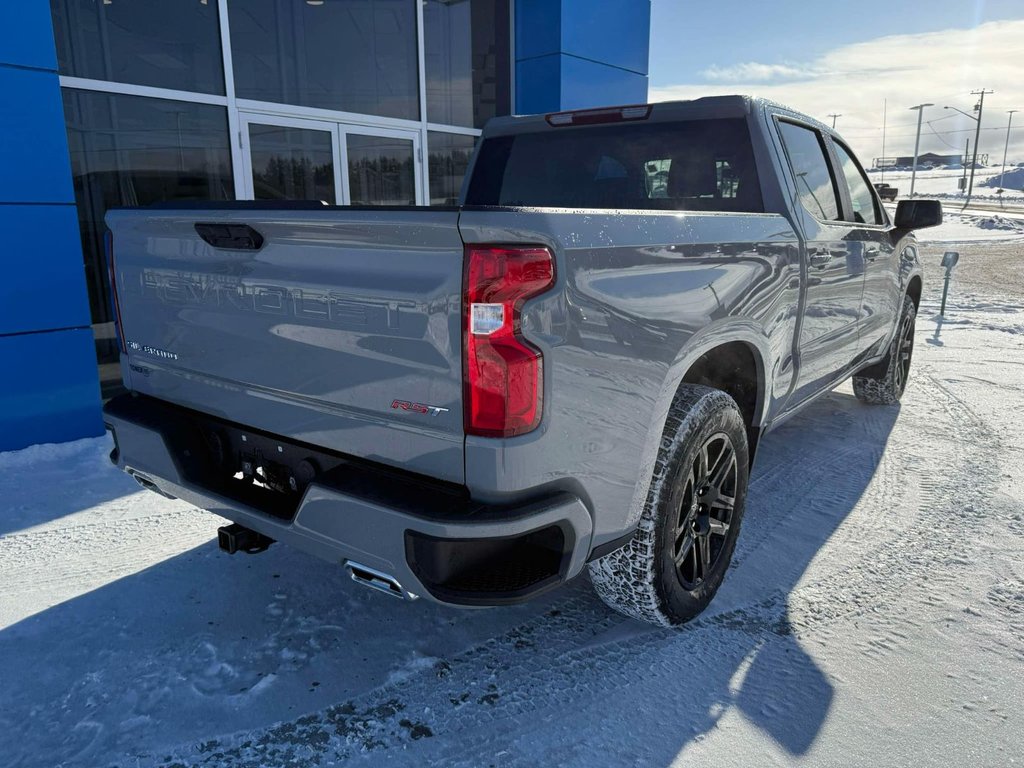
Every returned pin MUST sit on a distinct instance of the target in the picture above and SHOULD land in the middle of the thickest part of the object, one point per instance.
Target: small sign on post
(949, 260)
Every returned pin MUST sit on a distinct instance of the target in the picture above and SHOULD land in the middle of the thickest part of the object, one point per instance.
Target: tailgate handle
(236, 237)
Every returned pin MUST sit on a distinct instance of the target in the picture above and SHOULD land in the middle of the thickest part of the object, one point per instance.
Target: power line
(939, 137)
(904, 135)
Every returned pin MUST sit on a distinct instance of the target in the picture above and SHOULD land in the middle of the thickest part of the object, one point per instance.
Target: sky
(855, 60)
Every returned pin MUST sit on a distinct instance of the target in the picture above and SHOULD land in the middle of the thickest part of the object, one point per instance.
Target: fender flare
(725, 331)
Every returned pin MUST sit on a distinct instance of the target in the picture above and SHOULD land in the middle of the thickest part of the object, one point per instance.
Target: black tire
(885, 382)
(651, 578)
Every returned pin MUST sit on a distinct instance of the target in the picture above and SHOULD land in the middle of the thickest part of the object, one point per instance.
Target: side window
(811, 171)
(865, 209)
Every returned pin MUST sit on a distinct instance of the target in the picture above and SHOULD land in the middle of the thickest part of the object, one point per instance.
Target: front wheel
(676, 561)
(885, 382)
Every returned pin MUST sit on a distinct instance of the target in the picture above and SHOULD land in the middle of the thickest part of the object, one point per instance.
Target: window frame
(830, 164)
(880, 211)
(349, 120)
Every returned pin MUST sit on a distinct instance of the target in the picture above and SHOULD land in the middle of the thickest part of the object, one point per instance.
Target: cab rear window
(697, 165)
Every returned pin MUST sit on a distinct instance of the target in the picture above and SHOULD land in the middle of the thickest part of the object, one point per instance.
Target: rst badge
(423, 408)
(134, 346)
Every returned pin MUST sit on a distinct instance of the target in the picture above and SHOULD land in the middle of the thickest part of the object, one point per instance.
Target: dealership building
(130, 102)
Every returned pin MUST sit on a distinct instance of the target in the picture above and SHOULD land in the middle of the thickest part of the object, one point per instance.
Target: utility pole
(979, 108)
(834, 120)
(917, 142)
(967, 153)
(885, 106)
(1006, 146)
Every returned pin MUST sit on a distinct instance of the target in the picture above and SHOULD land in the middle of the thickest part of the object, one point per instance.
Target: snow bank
(1013, 179)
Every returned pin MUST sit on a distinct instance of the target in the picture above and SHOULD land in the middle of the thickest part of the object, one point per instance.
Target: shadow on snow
(204, 644)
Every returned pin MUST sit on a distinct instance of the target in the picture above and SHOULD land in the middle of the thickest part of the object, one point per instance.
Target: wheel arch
(719, 335)
(914, 287)
(736, 369)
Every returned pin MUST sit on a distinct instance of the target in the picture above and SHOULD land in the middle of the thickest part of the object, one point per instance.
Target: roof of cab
(706, 107)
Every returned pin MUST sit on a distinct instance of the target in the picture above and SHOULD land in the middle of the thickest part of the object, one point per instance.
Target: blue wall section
(49, 391)
(573, 54)
(33, 139)
(26, 35)
(43, 286)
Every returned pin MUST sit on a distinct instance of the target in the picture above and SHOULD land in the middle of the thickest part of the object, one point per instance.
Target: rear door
(339, 328)
(869, 239)
(828, 340)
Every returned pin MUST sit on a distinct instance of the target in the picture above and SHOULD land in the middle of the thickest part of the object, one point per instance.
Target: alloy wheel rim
(904, 350)
(705, 514)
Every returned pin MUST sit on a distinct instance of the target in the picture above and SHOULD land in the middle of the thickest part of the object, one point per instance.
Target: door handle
(820, 257)
(871, 254)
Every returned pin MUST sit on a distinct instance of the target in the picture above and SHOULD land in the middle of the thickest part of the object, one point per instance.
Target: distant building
(928, 158)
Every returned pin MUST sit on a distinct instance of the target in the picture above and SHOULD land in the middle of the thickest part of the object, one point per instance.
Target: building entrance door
(289, 158)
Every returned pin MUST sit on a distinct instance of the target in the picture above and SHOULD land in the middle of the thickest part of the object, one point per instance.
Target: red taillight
(502, 372)
(108, 248)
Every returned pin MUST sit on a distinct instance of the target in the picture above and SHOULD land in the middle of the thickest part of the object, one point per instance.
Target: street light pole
(834, 120)
(1006, 146)
(917, 142)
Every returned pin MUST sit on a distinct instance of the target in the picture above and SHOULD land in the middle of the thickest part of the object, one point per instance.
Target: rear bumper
(435, 542)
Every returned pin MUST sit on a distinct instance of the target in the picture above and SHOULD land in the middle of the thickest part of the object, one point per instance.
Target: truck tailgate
(342, 329)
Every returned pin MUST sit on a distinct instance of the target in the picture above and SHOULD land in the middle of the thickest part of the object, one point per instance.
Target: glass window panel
(146, 42)
(380, 171)
(291, 163)
(691, 165)
(448, 157)
(814, 181)
(131, 150)
(466, 53)
(350, 55)
(865, 209)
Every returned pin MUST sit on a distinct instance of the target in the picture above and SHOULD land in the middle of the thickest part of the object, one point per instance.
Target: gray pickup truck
(570, 369)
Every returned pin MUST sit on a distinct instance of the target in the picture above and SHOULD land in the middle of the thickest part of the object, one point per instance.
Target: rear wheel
(884, 383)
(677, 559)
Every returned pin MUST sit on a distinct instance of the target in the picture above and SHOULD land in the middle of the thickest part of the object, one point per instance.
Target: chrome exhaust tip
(374, 579)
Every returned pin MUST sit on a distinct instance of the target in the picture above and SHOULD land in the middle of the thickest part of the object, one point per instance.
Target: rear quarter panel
(639, 296)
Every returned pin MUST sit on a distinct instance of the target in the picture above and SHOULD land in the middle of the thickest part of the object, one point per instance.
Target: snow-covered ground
(974, 227)
(874, 614)
(942, 182)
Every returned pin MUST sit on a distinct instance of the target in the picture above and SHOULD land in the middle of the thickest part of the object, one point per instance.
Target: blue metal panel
(49, 392)
(613, 32)
(539, 85)
(26, 34)
(33, 140)
(552, 83)
(44, 283)
(589, 84)
(572, 54)
(538, 28)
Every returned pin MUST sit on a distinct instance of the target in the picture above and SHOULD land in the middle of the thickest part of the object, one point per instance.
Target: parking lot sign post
(949, 260)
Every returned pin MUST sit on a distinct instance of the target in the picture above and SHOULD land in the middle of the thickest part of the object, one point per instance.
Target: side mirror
(918, 214)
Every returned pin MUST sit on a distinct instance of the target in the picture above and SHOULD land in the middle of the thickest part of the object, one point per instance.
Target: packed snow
(874, 613)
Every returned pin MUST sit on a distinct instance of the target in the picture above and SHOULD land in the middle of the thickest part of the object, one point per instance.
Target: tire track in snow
(578, 649)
